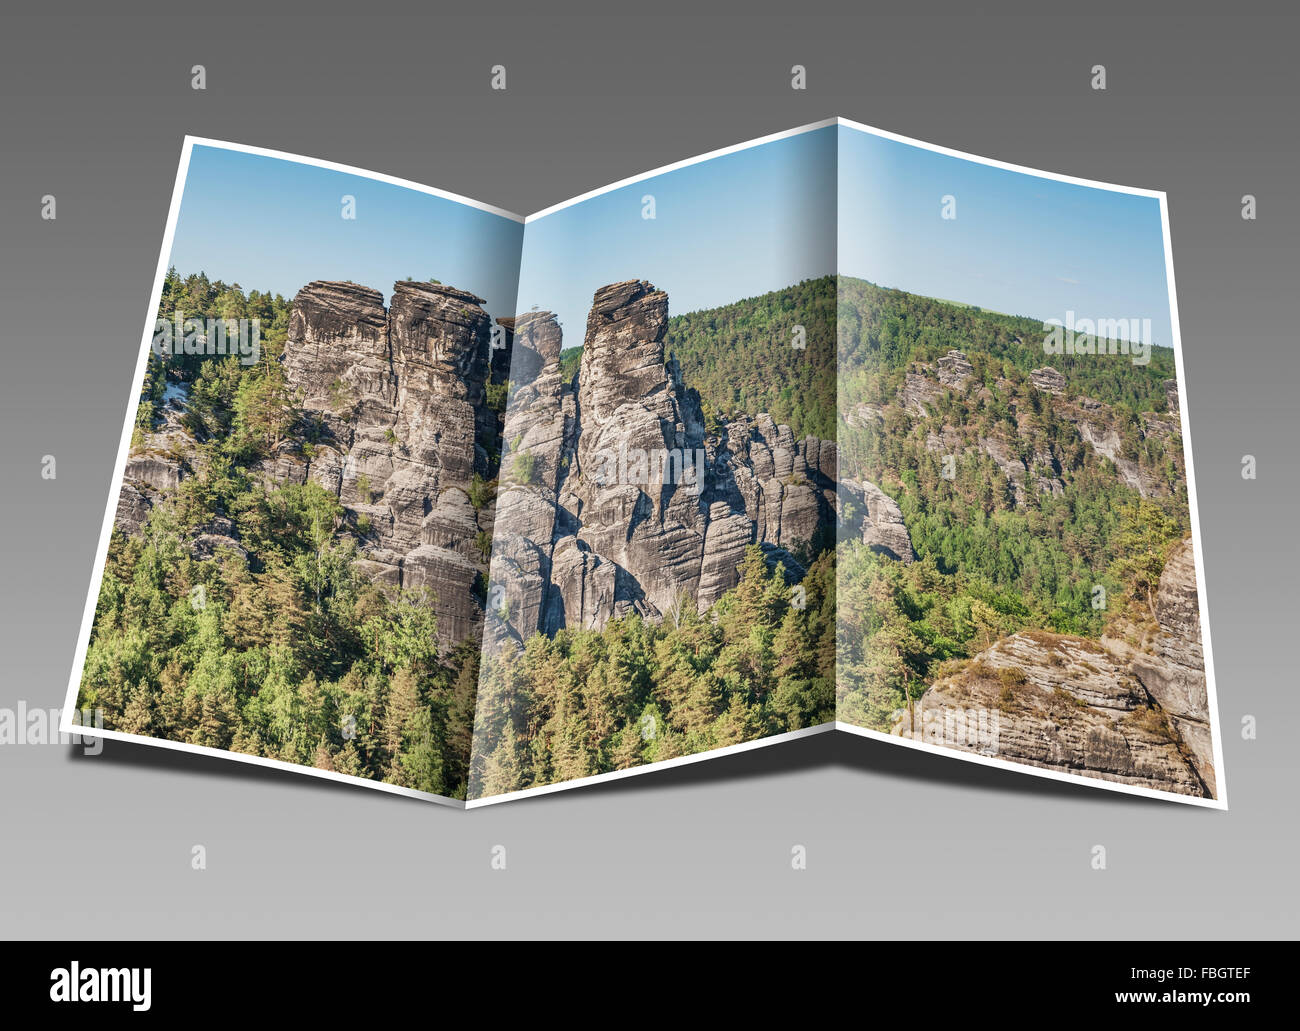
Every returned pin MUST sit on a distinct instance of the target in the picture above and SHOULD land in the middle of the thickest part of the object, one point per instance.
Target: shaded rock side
(615, 500)
(1169, 658)
(868, 512)
(400, 396)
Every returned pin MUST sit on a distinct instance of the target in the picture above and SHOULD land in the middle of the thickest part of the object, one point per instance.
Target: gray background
(93, 110)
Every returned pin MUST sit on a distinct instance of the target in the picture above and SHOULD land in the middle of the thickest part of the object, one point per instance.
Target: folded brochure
(834, 429)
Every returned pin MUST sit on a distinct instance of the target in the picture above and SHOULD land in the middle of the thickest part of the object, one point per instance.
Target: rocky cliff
(401, 394)
(393, 421)
(1168, 658)
(1098, 426)
(614, 498)
(1130, 708)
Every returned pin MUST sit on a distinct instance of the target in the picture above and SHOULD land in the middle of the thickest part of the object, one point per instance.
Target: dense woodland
(761, 661)
(293, 655)
(742, 360)
(290, 654)
(986, 566)
(880, 332)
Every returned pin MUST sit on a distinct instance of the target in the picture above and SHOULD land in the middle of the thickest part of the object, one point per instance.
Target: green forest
(986, 565)
(742, 358)
(881, 331)
(761, 661)
(292, 654)
(289, 654)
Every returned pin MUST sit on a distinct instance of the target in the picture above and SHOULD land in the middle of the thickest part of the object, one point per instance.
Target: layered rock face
(1169, 659)
(1040, 471)
(613, 497)
(394, 406)
(402, 396)
(1048, 380)
(1059, 703)
(1135, 713)
(868, 513)
(954, 369)
(632, 408)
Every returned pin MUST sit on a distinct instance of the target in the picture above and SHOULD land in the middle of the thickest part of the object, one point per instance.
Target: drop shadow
(863, 756)
(833, 750)
(169, 761)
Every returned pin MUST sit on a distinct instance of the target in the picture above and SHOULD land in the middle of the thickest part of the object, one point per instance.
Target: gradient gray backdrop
(93, 108)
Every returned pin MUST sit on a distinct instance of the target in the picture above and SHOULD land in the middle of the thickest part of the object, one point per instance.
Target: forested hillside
(291, 530)
(742, 359)
(586, 702)
(1040, 493)
(881, 331)
(236, 610)
(252, 601)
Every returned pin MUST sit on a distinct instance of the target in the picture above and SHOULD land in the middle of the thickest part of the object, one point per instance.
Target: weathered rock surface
(401, 395)
(1132, 708)
(1048, 380)
(615, 499)
(918, 392)
(954, 369)
(133, 508)
(1169, 659)
(1061, 703)
(155, 470)
(880, 518)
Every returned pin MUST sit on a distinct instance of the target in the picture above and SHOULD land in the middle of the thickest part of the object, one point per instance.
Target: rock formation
(614, 498)
(394, 423)
(1134, 713)
(1057, 702)
(1169, 659)
(401, 394)
(1048, 380)
(868, 512)
(954, 369)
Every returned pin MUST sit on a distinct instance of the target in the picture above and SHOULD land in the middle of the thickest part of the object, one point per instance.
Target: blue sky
(732, 227)
(1020, 244)
(728, 228)
(271, 224)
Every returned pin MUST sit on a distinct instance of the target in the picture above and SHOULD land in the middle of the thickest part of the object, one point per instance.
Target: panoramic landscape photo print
(831, 429)
(294, 561)
(662, 581)
(1018, 571)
